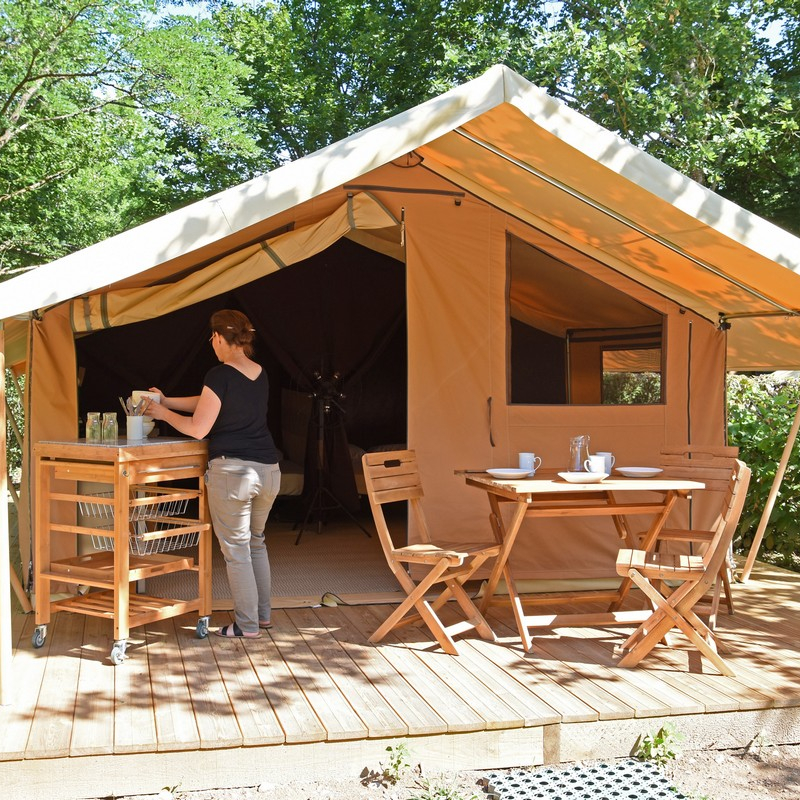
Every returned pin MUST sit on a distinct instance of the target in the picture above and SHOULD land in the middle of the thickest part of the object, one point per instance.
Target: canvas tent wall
(456, 258)
(445, 188)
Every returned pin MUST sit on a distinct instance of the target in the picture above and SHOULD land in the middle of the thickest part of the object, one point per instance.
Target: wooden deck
(314, 697)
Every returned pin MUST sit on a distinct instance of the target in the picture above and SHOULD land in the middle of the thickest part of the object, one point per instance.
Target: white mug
(529, 461)
(610, 460)
(595, 463)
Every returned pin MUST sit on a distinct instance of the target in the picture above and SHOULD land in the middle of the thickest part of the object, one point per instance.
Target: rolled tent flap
(362, 211)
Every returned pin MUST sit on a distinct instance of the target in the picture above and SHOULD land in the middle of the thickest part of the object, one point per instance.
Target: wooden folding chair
(711, 464)
(695, 574)
(393, 477)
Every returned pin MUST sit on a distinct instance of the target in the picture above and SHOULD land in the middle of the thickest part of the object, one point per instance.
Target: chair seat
(660, 566)
(426, 553)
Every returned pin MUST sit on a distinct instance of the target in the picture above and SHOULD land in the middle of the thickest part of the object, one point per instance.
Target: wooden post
(5, 560)
(773, 494)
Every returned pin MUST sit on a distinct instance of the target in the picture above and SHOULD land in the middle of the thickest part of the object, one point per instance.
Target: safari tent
(467, 270)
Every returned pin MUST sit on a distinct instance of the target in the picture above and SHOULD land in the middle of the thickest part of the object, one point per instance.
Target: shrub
(761, 410)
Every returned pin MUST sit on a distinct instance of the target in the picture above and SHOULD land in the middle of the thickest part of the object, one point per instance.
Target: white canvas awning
(509, 143)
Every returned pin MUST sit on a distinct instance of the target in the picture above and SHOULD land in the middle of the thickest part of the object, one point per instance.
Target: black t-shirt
(240, 430)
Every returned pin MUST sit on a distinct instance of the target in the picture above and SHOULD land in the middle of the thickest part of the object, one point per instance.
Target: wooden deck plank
(767, 668)
(135, 715)
(176, 726)
(295, 714)
(213, 712)
(239, 675)
(330, 705)
(446, 702)
(606, 704)
(545, 692)
(375, 712)
(418, 717)
(277, 689)
(681, 665)
(671, 682)
(599, 646)
(93, 727)
(482, 662)
(733, 694)
(51, 731)
(28, 669)
(17, 629)
(670, 669)
(492, 707)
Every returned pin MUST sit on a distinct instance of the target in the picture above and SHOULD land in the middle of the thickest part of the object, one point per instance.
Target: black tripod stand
(327, 397)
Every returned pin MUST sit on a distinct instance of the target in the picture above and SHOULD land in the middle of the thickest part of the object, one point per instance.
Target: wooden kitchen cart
(138, 529)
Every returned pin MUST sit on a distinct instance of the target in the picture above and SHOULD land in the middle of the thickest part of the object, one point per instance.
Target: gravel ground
(758, 773)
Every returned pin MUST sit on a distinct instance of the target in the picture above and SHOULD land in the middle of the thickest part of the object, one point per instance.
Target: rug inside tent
(337, 559)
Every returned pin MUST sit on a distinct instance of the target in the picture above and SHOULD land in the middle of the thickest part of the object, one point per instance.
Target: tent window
(575, 339)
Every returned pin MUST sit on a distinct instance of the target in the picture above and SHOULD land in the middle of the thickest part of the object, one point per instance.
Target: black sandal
(233, 631)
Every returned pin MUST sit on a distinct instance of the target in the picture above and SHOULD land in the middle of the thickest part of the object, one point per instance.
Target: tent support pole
(773, 493)
(5, 560)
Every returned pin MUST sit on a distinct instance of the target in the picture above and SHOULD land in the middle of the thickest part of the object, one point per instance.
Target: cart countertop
(123, 442)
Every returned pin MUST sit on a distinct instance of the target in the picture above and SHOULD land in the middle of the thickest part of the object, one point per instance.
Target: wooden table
(553, 497)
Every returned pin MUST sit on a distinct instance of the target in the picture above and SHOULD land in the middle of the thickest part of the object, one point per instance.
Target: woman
(243, 477)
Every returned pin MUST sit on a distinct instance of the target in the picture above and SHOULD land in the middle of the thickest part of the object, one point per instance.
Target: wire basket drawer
(164, 537)
(147, 502)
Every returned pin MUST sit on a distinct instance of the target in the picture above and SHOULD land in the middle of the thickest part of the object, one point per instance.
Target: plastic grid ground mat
(619, 780)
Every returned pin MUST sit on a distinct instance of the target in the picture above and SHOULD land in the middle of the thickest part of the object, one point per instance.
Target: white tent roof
(506, 141)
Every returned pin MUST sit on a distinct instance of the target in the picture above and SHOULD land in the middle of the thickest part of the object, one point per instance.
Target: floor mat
(340, 560)
(628, 779)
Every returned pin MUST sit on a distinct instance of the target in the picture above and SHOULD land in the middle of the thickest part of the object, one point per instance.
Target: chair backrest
(392, 477)
(711, 464)
(730, 513)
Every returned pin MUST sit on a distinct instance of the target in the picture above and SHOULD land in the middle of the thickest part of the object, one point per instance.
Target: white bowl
(138, 394)
(639, 472)
(583, 477)
(148, 423)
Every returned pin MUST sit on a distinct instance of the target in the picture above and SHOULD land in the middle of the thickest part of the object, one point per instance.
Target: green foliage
(761, 410)
(695, 83)
(435, 790)
(321, 71)
(94, 97)
(14, 409)
(631, 388)
(660, 747)
(398, 763)
(112, 113)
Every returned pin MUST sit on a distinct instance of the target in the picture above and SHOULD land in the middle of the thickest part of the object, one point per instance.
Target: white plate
(509, 474)
(639, 472)
(583, 477)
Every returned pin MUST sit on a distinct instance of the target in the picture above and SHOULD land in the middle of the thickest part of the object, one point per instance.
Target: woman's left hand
(154, 409)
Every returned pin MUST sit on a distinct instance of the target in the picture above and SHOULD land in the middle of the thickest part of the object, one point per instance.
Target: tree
(320, 71)
(696, 83)
(95, 98)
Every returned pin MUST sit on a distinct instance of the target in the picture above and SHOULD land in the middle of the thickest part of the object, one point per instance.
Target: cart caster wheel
(39, 634)
(117, 655)
(202, 627)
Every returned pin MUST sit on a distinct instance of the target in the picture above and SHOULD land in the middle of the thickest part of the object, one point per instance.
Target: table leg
(659, 520)
(507, 537)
